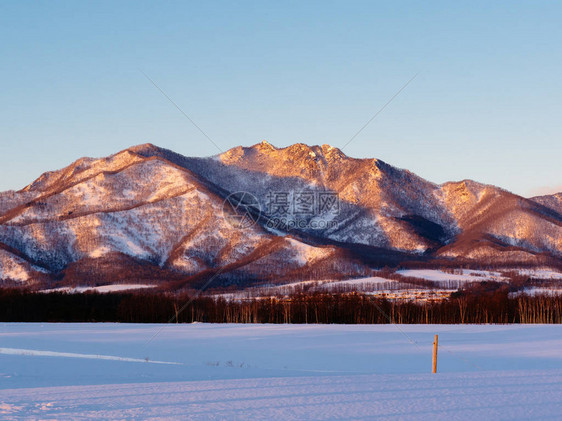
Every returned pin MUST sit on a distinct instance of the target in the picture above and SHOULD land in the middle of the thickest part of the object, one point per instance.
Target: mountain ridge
(167, 212)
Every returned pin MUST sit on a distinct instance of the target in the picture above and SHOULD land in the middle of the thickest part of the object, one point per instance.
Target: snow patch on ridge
(306, 254)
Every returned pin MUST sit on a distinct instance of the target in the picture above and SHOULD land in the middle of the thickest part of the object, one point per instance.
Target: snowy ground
(463, 275)
(112, 371)
(100, 289)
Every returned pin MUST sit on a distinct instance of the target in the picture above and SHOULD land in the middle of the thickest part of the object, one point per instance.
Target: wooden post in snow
(434, 362)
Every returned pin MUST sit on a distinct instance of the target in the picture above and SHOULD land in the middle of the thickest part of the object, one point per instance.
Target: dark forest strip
(24, 306)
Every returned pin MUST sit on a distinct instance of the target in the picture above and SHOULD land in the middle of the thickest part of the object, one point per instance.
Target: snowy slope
(496, 223)
(376, 200)
(15, 268)
(552, 201)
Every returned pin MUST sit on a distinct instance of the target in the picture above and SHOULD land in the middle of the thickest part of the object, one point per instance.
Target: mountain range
(259, 214)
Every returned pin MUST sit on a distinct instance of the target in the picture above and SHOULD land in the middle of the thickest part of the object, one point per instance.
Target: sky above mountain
(485, 104)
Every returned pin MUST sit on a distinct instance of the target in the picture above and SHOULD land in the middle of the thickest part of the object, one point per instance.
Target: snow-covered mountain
(150, 215)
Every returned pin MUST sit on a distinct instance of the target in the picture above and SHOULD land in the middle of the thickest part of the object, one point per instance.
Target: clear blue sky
(486, 105)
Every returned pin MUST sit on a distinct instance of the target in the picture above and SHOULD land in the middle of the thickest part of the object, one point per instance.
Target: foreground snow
(504, 396)
(111, 371)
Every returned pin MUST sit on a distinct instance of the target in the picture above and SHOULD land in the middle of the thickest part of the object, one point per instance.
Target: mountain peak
(333, 152)
(143, 149)
(265, 143)
(295, 151)
(86, 167)
(326, 151)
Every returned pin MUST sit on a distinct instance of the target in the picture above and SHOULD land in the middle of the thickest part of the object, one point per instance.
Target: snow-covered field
(542, 273)
(462, 275)
(199, 371)
(100, 289)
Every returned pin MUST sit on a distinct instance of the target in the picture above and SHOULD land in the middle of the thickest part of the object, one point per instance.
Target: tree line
(351, 308)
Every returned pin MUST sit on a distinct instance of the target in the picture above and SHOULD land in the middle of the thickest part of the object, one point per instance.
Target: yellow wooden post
(434, 362)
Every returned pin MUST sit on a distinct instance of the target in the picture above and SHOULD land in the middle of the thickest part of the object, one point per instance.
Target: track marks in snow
(38, 353)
